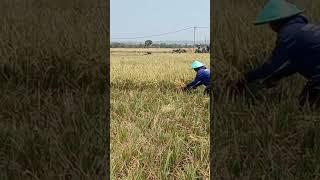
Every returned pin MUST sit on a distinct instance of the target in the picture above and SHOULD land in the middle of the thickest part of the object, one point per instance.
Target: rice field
(157, 132)
(263, 134)
(53, 90)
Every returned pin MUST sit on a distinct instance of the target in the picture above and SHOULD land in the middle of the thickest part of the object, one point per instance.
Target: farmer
(202, 77)
(297, 51)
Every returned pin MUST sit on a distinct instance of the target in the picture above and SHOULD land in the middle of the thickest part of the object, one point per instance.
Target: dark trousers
(310, 95)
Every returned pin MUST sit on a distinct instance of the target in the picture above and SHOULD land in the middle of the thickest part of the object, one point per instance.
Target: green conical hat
(196, 64)
(276, 10)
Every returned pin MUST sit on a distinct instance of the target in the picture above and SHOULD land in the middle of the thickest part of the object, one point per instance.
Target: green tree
(147, 43)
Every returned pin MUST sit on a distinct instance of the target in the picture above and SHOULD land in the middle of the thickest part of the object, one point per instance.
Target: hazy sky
(135, 18)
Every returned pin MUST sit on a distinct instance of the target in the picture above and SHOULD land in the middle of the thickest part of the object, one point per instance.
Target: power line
(162, 34)
(155, 34)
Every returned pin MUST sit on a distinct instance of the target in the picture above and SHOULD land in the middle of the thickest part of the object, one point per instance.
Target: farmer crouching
(297, 51)
(202, 77)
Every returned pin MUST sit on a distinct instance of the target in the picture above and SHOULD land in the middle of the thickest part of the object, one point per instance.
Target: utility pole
(194, 38)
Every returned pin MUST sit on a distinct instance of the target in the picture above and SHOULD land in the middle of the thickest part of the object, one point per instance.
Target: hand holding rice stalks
(179, 85)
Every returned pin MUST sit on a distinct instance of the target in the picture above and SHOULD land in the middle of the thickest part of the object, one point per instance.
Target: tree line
(155, 45)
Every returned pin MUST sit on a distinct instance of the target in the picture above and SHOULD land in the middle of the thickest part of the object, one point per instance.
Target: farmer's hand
(185, 88)
(181, 88)
(270, 83)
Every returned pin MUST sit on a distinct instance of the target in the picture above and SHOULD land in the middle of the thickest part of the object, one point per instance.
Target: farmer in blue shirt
(297, 51)
(202, 77)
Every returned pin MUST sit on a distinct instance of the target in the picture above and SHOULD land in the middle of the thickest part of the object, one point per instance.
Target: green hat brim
(197, 67)
(276, 18)
(196, 64)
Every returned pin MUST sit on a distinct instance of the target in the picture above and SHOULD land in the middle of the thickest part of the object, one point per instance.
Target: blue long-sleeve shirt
(297, 51)
(202, 78)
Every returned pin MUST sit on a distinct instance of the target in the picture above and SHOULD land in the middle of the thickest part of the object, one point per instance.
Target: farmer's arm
(277, 76)
(196, 82)
(277, 67)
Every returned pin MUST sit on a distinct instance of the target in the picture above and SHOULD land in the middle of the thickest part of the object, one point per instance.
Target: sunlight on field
(157, 133)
